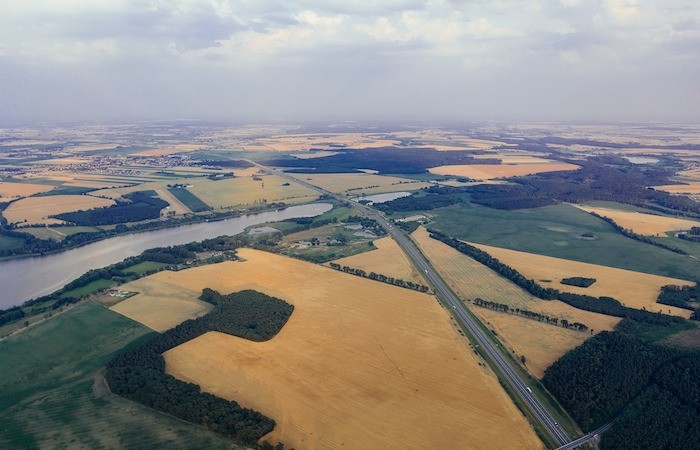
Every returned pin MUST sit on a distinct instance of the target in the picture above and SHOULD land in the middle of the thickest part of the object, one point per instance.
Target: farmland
(9, 191)
(54, 396)
(347, 369)
(387, 259)
(36, 210)
(561, 231)
(247, 191)
(640, 223)
(491, 171)
(357, 183)
(633, 289)
(471, 280)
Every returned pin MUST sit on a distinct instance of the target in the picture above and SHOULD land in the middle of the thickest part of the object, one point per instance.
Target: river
(27, 278)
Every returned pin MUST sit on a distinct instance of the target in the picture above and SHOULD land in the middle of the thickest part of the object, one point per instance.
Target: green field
(54, 396)
(88, 289)
(559, 231)
(9, 243)
(190, 200)
(143, 268)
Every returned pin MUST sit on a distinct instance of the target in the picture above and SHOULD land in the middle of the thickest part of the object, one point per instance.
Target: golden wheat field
(388, 259)
(247, 190)
(491, 171)
(357, 183)
(540, 343)
(10, 191)
(360, 364)
(634, 289)
(692, 187)
(36, 210)
(640, 223)
(471, 280)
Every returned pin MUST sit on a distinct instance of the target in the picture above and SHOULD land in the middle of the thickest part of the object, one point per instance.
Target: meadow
(561, 231)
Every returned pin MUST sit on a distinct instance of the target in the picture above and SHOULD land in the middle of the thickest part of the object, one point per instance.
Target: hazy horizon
(565, 60)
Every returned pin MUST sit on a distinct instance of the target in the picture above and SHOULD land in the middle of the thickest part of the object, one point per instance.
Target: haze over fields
(629, 60)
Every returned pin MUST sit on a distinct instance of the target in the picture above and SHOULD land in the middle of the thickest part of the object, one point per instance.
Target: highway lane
(458, 309)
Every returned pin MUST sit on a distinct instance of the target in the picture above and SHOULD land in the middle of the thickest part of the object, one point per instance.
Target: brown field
(516, 159)
(161, 303)
(360, 364)
(9, 191)
(640, 223)
(470, 280)
(388, 259)
(491, 171)
(692, 187)
(691, 173)
(170, 150)
(176, 205)
(541, 344)
(246, 191)
(63, 161)
(312, 155)
(633, 289)
(360, 182)
(36, 210)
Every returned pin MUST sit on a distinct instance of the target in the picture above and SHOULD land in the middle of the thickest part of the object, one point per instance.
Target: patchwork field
(360, 182)
(491, 171)
(471, 280)
(388, 259)
(540, 343)
(360, 364)
(633, 289)
(297, 142)
(246, 191)
(36, 210)
(11, 191)
(640, 223)
(160, 303)
(176, 206)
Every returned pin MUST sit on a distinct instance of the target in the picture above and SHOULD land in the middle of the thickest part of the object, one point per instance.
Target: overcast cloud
(109, 60)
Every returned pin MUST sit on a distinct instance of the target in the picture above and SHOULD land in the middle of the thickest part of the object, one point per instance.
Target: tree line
(604, 305)
(141, 205)
(681, 297)
(379, 277)
(502, 307)
(139, 373)
(632, 235)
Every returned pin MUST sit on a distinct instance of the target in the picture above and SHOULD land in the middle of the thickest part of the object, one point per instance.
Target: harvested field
(471, 279)
(358, 183)
(360, 364)
(634, 289)
(388, 259)
(161, 304)
(691, 173)
(11, 191)
(176, 206)
(641, 223)
(491, 171)
(36, 210)
(247, 191)
(312, 155)
(692, 187)
(541, 344)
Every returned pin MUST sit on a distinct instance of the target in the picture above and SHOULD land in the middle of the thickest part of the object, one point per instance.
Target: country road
(493, 351)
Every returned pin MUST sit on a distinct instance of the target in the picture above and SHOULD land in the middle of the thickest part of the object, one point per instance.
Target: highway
(458, 309)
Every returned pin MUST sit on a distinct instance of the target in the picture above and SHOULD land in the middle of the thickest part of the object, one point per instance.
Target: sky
(298, 60)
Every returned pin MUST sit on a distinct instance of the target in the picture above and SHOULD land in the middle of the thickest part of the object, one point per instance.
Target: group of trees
(379, 277)
(653, 389)
(604, 305)
(367, 224)
(680, 296)
(578, 281)
(530, 314)
(424, 200)
(141, 205)
(139, 373)
(692, 235)
(386, 160)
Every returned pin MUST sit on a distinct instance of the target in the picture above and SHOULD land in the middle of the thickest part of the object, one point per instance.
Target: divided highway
(458, 309)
